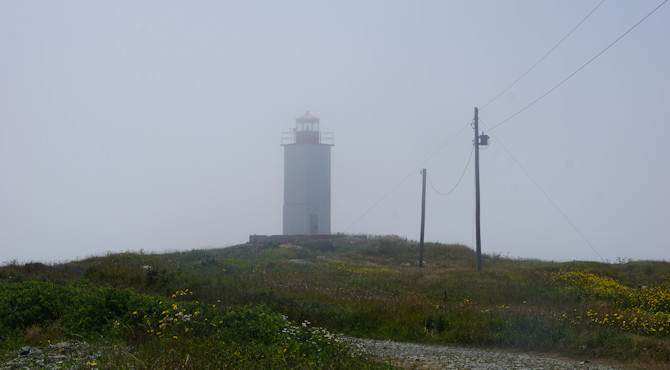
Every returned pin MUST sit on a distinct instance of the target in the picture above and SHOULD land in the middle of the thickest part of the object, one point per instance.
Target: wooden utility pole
(423, 216)
(478, 234)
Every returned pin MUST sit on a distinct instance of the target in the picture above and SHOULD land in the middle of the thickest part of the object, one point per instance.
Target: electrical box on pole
(483, 139)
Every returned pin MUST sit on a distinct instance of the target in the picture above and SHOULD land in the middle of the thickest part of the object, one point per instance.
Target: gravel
(404, 355)
(54, 356)
(422, 356)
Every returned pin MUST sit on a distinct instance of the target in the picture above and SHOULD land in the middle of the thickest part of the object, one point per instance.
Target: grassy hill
(234, 299)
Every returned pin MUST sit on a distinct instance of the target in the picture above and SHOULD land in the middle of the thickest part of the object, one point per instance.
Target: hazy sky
(156, 125)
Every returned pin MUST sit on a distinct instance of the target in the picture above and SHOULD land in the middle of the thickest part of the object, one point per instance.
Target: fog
(156, 125)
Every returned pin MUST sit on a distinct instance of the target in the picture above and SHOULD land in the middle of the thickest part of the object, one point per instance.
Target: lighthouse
(306, 178)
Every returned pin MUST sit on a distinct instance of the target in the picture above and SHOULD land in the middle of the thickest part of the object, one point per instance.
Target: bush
(26, 304)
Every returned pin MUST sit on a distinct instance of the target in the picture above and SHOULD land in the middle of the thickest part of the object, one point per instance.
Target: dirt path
(422, 356)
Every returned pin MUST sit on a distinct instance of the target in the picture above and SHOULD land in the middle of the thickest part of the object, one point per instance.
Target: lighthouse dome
(307, 118)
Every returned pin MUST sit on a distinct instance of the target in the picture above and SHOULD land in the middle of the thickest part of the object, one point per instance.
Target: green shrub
(25, 304)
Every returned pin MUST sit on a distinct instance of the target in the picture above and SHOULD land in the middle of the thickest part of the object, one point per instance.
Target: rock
(52, 356)
(60, 345)
(25, 351)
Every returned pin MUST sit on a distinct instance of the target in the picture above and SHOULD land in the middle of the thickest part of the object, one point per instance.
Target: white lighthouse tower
(307, 178)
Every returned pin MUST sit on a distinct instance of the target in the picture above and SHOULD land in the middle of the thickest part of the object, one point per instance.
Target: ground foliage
(159, 332)
(224, 307)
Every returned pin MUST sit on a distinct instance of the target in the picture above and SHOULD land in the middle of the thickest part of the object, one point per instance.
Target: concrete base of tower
(285, 239)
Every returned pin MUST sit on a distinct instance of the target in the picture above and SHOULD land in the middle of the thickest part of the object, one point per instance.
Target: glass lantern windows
(307, 126)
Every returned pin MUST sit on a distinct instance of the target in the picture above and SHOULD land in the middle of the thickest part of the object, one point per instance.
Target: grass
(369, 287)
(164, 332)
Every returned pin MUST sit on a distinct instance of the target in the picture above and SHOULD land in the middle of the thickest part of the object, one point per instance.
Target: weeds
(167, 332)
(223, 307)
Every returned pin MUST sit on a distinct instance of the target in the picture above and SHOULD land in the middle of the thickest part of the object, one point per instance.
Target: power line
(546, 195)
(459, 180)
(509, 118)
(543, 57)
(380, 200)
(578, 69)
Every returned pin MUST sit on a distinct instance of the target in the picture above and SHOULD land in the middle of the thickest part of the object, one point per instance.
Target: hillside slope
(372, 287)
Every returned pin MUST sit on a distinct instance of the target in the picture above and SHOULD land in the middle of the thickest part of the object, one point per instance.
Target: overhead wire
(539, 187)
(457, 182)
(578, 69)
(546, 195)
(543, 57)
(383, 197)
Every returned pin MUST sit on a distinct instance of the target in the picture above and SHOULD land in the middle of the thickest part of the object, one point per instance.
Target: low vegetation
(276, 305)
(154, 332)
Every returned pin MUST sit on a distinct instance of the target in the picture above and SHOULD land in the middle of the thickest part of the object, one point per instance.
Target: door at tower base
(306, 189)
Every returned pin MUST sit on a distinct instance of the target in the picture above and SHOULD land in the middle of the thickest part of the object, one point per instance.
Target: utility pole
(423, 216)
(478, 234)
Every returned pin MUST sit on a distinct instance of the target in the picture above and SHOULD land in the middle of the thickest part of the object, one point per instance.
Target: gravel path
(412, 355)
(404, 355)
